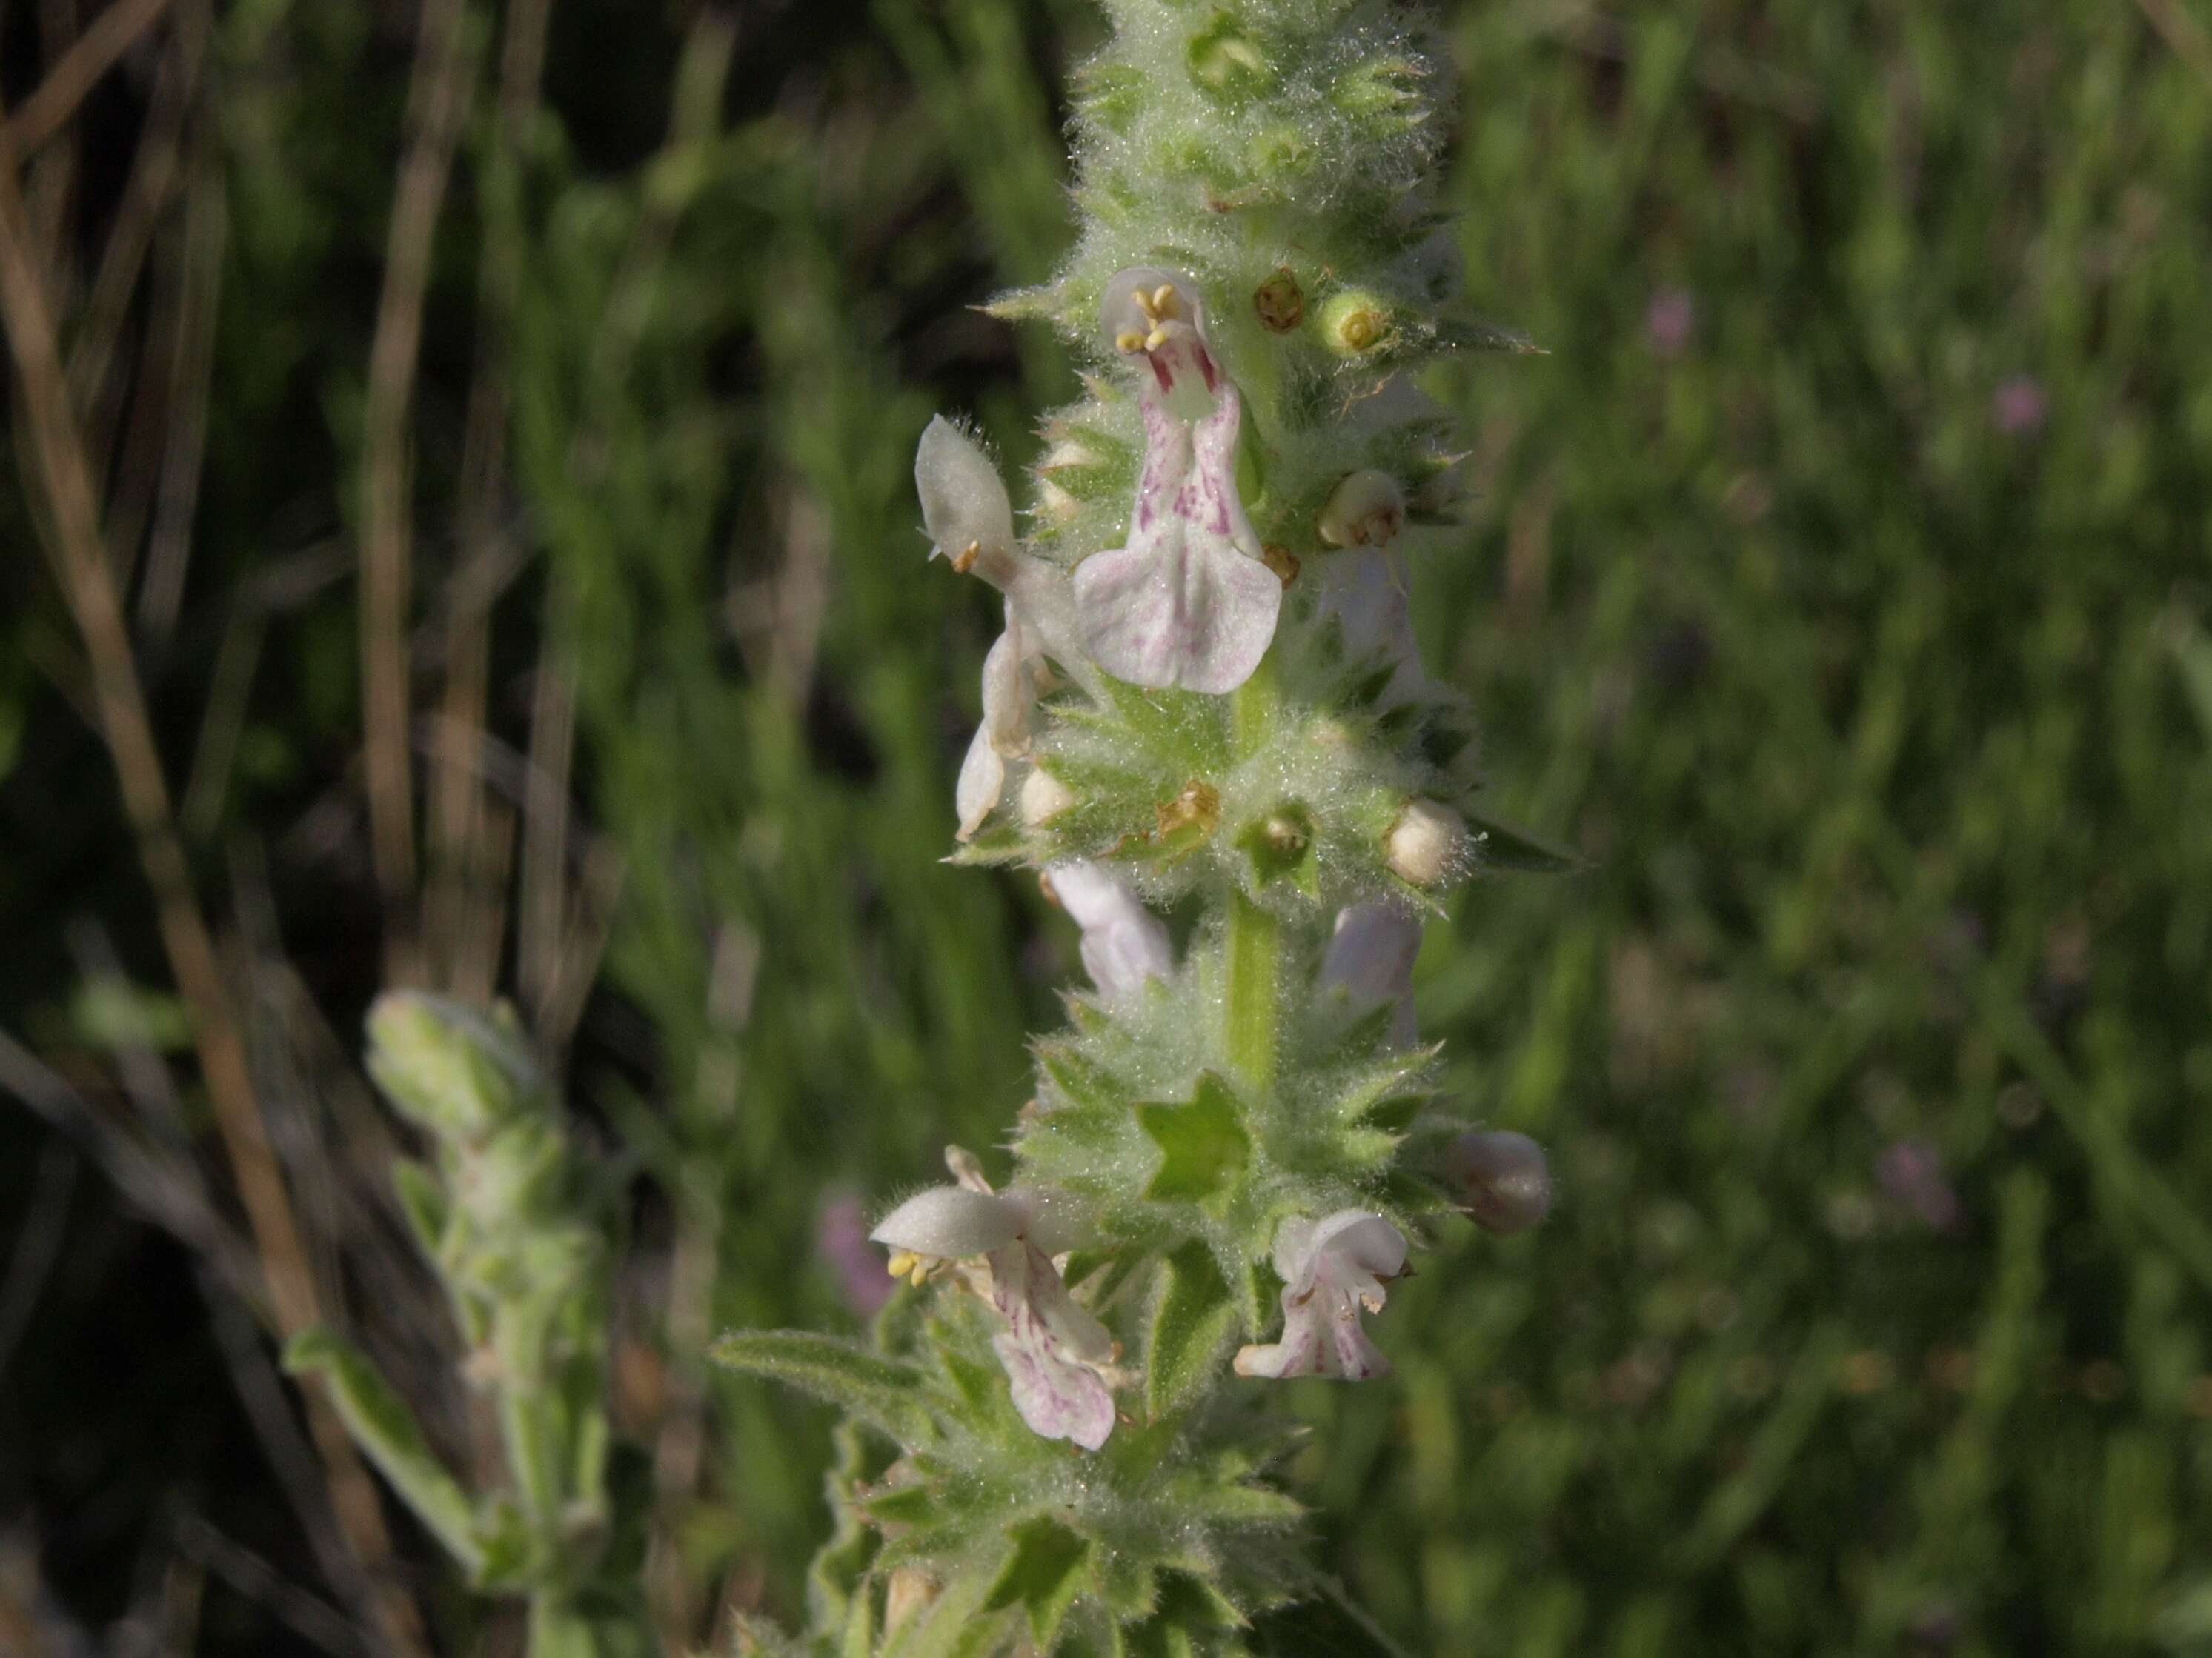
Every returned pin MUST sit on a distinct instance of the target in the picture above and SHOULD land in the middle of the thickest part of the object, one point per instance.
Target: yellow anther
(1164, 300)
(1129, 339)
(1156, 339)
(904, 1262)
(966, 556)
(920, 1271)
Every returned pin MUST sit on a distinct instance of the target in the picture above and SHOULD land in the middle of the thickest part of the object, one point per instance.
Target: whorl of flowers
(1208, 698)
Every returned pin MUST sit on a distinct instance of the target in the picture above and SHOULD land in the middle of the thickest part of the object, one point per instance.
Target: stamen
(1156, 339)
(903, 1263)
(966, 557)
(1164, 300)
(1129, 339)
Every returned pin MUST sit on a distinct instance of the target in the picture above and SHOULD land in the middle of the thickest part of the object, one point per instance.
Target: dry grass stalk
(437, 102)
(465, 909)
(48, 109)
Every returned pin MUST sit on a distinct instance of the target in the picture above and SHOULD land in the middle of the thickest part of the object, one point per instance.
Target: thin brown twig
(154, 172)
(2183, 35)
(191, 378)
(437, 98)
(542, 903)
(463, 914)
(48, 109)
(80, 554)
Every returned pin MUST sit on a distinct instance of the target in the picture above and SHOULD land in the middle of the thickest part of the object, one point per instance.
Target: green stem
(1254, 983)
(1255, 942)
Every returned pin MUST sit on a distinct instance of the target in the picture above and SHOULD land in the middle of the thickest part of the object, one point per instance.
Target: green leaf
(1326, 1626)
(422, 1200)
(1507, 845)
(1202, 1145)
(957, 1625)
(1382, 1092)
(388, 1434)
(885, 1394)
(1192, 1320)
(1043, 1576)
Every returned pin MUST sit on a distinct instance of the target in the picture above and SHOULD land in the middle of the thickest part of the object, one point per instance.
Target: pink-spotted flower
(1369, 960)
(1330, 1269)
(1187, 601)
(967, 515)
(1124, 944)
(1054, 1352)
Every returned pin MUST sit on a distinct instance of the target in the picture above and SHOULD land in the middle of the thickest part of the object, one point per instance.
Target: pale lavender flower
(1054, 1351)
(1187, 601)
(841, 1243)
(1330, 1269)
(1124, 944)
(2018, 406)
(1669, 319)
(1365, 589)
(1370, 961)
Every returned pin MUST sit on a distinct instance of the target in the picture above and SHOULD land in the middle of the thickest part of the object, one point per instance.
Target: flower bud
(1224, 58)
(448, 1067)
(1368, 509)
(1355, 322)
(1044, 797)
(1426, 843)
(1504, 1182)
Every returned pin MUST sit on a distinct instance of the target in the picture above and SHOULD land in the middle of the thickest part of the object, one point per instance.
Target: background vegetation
(1835, 583)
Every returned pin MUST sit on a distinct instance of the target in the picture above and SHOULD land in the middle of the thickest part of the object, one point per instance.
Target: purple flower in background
(2018, 406)
(841, 1240)
(1912, 1173)
(1669, 319)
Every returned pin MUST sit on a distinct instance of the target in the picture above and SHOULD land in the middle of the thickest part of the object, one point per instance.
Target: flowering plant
(1206, 700)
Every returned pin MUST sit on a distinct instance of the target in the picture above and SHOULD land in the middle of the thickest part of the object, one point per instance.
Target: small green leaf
(1043, 1576)
(1192, 1320)
(903, 1505)
(1508, 846)
(886, 1394)
(422, 1200)
(1368, 1097)
(389, 1435)
(956, 1626)
(1326, 1626)
(108, 1012)
(1202, 1144)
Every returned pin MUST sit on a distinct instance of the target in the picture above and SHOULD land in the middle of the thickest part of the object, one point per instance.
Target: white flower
(1371, 958)
(966, 512)
(1124, 944)
(1053, 1350)
(1187, 601)
(1330, 1269)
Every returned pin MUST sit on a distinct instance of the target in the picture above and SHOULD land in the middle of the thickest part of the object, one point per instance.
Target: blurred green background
(1836, 583)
